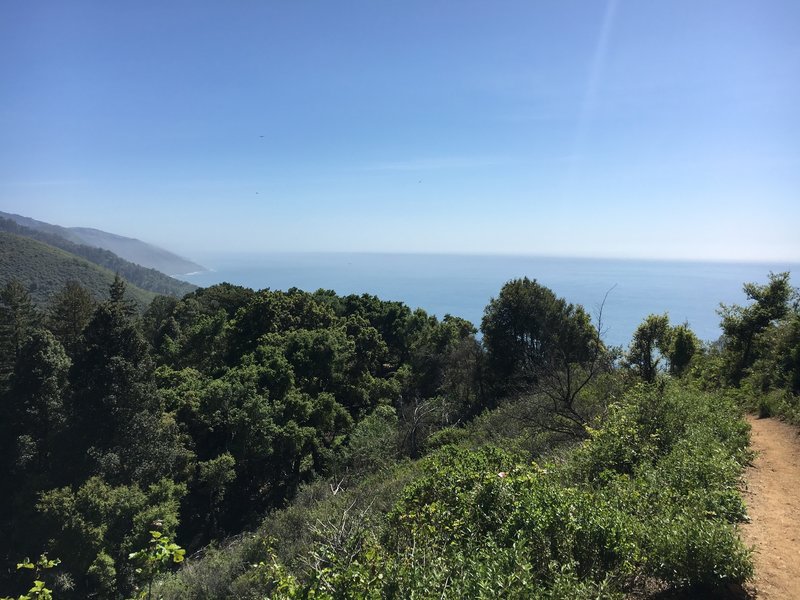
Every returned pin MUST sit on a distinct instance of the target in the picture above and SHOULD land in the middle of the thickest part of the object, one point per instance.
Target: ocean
(462, 285)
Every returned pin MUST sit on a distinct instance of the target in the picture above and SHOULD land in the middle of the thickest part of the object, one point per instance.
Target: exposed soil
(773, 505)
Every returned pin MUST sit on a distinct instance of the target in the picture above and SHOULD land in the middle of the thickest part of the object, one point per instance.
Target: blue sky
(611, 128)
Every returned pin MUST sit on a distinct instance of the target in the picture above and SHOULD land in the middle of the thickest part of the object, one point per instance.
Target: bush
(697, 552)
(651, 494)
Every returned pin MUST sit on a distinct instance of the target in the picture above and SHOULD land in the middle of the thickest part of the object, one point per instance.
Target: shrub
(697, 551)
(651, 494)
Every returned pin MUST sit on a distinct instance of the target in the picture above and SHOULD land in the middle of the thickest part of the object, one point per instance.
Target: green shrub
(697, 551)
(652, 494)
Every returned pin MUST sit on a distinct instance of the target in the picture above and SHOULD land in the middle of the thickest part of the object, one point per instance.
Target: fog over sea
(462, 285)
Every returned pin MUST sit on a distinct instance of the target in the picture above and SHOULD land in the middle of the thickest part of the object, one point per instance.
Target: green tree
(36, 401)
(158, 321)
(213, 477)
(742, 324)
(682, 348)
(649, 346)
(431, 350)
(391, 320)
(118, 298)
(372, 444)
(18, 317)
(787, 353)
(528, 330)
(69, 312)
(32, 420)
(118, 425)
(275, 435)
(96, 525)
(275, 312)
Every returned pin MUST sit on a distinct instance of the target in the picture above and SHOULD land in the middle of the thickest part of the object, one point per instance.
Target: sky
(609, 128)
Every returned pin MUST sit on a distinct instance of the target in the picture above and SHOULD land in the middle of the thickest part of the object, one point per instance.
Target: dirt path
(773, 504)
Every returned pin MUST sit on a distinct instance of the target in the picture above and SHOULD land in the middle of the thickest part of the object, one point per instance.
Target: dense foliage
(307, 445)
(650, 497)
(758, 355)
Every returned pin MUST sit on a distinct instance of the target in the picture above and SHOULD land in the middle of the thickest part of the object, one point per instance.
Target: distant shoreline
(193, 273)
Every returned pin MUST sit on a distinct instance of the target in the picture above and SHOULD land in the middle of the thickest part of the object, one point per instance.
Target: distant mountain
(148, 279)
(133, 250)
(44, 270)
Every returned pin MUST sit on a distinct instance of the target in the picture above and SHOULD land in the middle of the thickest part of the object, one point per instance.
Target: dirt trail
(773, 504)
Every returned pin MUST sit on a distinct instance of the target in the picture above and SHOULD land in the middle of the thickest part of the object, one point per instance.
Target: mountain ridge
(130, 249)
(44, 270)
(148, 279)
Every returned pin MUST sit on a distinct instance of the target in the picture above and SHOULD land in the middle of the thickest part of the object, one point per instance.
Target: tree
(18, 317)
(275, 312)
(418, 419)
(545, 351)
(158, 321)
(117, 417)
(682, 348)
(430, 351)
(116, 296)
(94, 526)
(69, 312)
(213, 477)
(649, 346)
(462, 377)
(528, 330)
(372, 445)
(36, 401)
(32, 419)
(742, 324)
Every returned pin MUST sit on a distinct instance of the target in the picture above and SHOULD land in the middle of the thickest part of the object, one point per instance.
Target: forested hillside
(129, 249)
(45, 270)
(310, 445)
(147, 279)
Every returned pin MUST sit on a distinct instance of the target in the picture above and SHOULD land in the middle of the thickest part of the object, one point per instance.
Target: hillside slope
(147, 279)
(130, 249)
(44, 270)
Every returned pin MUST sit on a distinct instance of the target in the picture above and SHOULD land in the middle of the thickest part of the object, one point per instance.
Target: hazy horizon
(229, 255)
(609, 130)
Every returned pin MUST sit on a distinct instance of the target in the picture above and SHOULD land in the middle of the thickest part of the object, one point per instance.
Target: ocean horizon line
(228, 255)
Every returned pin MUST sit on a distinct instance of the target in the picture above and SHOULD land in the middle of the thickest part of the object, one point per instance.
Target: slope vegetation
(44, 270)
(130, 249)
(143, 277)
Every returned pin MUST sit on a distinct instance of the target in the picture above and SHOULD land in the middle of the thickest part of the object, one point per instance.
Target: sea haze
(462, 285)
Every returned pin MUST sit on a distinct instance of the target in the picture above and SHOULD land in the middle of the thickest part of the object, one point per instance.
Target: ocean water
(462, 285)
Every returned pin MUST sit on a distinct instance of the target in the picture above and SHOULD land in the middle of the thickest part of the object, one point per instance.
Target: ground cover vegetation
(263, 444)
